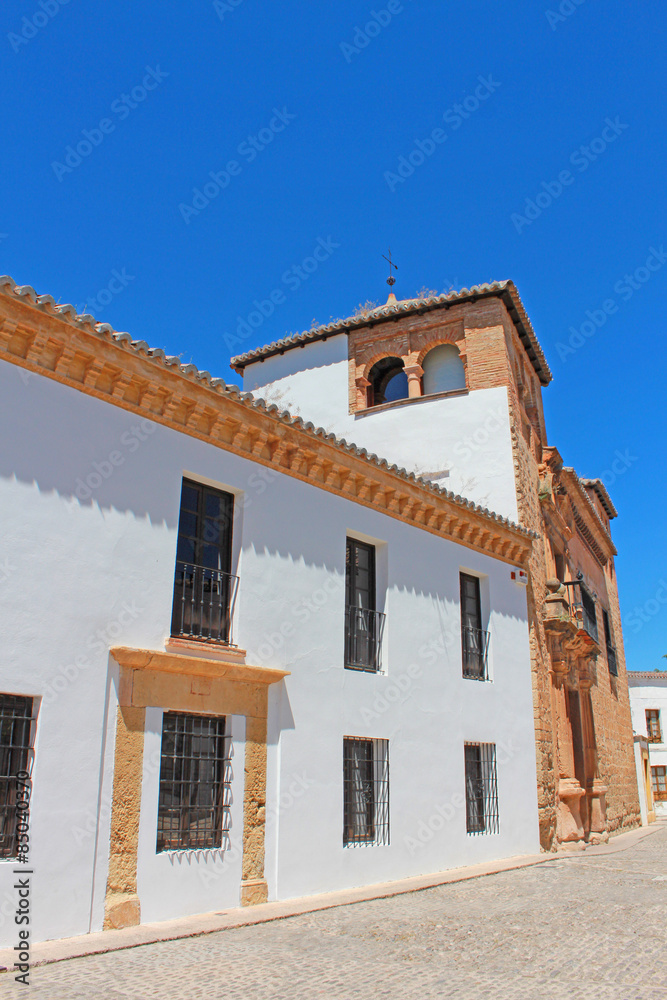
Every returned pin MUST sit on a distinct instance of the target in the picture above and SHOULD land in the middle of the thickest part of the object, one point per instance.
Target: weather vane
(391, 280)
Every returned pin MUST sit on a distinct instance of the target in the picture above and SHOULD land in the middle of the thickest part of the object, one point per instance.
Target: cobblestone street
(572, 928)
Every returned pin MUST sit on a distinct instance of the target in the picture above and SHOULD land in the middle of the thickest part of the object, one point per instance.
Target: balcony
(582, 605)
(203, 603)
(363, 639)
(475, 648)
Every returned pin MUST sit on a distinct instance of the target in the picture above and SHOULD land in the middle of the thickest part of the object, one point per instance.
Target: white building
(236, 662)
(648, 700)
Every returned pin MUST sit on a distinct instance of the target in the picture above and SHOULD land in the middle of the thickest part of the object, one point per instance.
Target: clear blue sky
(349, 105)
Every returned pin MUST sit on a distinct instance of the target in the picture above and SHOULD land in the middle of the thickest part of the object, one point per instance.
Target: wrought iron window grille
(195, 783)
(481, 788)
(365, 792)
(363, 639)
(17, 737)
(475, 643)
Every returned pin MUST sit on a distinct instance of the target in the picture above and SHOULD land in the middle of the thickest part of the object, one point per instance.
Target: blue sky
(306, 119)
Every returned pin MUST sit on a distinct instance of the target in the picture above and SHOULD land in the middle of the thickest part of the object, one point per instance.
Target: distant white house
(241, 660)
(648, 700)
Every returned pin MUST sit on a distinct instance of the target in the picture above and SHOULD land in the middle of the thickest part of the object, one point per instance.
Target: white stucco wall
(645, 694)
(466, 435)
(88, 572)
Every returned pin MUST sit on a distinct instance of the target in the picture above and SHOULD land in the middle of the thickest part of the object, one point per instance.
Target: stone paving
(575, 927)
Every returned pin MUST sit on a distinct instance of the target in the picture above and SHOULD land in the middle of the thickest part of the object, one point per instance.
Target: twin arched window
(443, 372)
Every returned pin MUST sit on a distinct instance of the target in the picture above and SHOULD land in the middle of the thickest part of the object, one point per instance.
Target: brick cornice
(53, 341)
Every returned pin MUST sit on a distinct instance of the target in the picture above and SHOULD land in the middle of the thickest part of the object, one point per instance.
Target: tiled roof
(505, 290)
(598, 486)
(655, 676)
(157, 356)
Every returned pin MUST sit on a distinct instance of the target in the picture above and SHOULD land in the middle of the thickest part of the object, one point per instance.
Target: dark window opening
(474, 639)
(365, 792)
(388, 382)
(195, 775)
(363, 624)
(609, 644)
(204, 588)
(481, 788)
(16, 742)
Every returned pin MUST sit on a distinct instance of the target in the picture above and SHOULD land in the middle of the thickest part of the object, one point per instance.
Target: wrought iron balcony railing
(363, 639)
(475, 645)
(203, 603)
(583, 608)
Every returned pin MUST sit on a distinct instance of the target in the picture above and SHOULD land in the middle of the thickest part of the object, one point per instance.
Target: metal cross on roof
(391, 280)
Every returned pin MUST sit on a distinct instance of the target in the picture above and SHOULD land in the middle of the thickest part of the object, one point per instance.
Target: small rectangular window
(195, 775)
(16, 743)
(474, 639)
(653, 725)
(365, 791)
(363, 624)
(659, 782)
(204, 588)
(481, 788)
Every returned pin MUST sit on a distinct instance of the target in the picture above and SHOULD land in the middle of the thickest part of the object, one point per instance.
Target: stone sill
(408, 400)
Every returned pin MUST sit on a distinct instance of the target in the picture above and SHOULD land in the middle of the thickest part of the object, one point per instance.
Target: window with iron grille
(16, 743)
(195, 776)
(365, 792)
(653, 725)
(481, 788)
(609, 643)
(659, 782)
(204, 588)
(363, 624)
(474, 639)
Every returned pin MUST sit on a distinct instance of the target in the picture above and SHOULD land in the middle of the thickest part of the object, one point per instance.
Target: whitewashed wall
(468, 435)
(645, 694)
(93, 570)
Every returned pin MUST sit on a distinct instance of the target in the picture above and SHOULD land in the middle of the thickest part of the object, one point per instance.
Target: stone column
(362, 385)
(414, 373)
(253, 884)
(121, 907)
